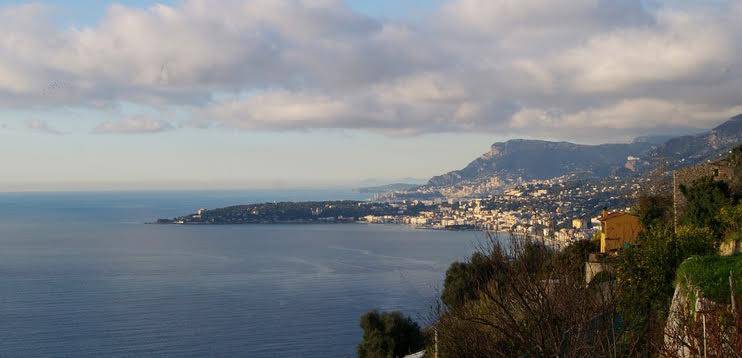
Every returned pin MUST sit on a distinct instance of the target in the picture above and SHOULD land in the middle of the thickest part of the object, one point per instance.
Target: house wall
(618, 231)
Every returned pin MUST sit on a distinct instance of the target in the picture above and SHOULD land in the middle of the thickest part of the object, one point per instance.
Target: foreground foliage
(524, 299)
(537, 304)
(389, 334)
(710, 274)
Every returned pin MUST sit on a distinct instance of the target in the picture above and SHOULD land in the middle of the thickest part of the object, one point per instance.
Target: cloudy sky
(277, 93)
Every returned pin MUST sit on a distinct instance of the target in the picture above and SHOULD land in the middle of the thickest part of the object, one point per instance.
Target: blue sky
(218, 159)
(293, 93)
(87, 12)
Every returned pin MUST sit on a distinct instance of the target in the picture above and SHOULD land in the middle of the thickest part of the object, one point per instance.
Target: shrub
(705, 198)
(710, 274)
(731, 219)
(654, 209)
(389, 334)
(536, 305)
(692, 241)
(464, 280)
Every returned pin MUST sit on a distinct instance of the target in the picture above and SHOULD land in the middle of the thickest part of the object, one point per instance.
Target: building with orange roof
(617, 229)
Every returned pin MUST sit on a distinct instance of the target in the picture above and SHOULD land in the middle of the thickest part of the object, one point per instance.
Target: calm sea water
(82, 276)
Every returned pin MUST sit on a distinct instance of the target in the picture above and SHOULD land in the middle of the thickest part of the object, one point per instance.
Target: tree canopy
(389, 335)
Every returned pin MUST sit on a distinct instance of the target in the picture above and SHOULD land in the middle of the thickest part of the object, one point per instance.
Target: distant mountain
(388, 188)
(691, 149)
(653, 139)
(374, 182)
(521, 159)
(537, 159)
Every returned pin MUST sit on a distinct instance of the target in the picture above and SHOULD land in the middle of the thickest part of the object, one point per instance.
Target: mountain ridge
(526, 159)
(696, 148)
(540, 159)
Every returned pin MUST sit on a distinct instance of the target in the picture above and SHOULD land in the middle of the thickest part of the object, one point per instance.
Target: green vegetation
(710, 274)
(645, 273)
(731, 220)
(654, 209)
(296, 212)
(464, 280)
(704, 200)
(645, 278)
(531, 301)
(389, 334)
(536, 303)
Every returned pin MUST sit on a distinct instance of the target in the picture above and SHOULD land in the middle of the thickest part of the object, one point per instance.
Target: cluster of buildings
(563, 209)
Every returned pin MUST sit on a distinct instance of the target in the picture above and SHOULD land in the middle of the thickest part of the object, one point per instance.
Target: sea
(82, 275)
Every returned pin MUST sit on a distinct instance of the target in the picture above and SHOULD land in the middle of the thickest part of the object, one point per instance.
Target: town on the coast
(561, 210)
(552, 190)
(564, 209)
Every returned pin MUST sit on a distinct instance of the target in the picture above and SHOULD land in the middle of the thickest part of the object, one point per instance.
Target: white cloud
(680, 47)
(133, 125)
(620, 121)
(474, 65)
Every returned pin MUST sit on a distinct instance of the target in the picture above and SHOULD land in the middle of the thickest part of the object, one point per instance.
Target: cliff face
(535, 159)
(696, 148)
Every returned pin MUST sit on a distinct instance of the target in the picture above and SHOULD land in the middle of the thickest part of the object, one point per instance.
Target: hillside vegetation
(525, 299)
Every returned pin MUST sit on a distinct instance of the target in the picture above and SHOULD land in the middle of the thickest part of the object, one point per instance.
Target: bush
(654, 209)
(536, 305)
(705, 198)
(646, 274)
(710, 274)
(731, 219)
(464, 280)
(692, 241)
(389, 334)
(575, 255)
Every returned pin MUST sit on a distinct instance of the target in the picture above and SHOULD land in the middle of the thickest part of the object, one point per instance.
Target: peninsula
(345, 211)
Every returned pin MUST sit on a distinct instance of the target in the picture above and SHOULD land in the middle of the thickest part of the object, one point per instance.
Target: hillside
(536, 159)
(692, 149)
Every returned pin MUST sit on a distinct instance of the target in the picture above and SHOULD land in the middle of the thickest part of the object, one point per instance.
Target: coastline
(417, 227)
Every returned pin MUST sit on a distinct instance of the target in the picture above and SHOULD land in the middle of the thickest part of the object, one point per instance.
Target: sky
(315, 93)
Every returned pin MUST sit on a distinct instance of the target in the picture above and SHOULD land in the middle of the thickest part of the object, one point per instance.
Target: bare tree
(538, 305)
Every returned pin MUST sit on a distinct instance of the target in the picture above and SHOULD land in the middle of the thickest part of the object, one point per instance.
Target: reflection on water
(82, 276)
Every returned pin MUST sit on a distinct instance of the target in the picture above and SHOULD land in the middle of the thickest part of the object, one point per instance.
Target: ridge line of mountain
(527, 159)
